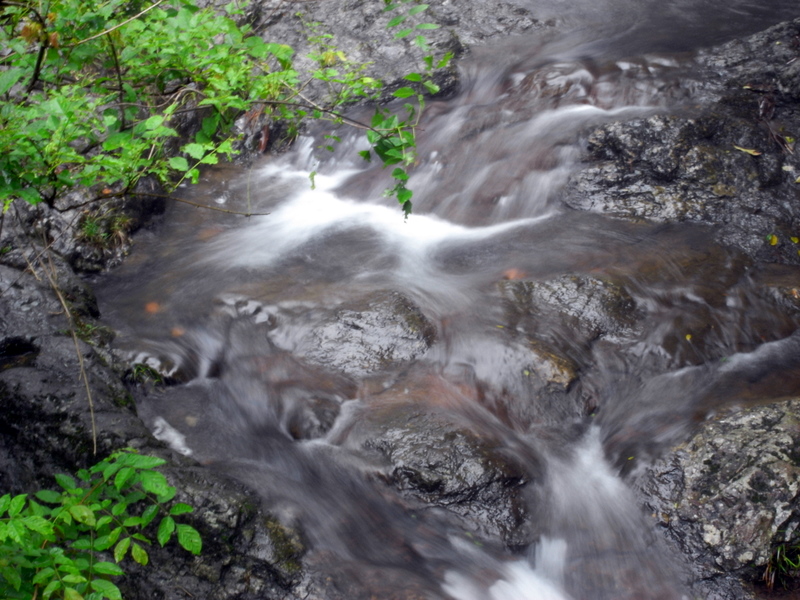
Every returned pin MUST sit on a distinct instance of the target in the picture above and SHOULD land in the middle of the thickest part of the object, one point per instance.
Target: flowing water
(237, 309)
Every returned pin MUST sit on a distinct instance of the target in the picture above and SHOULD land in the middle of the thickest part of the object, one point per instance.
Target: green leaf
(149, 514)
(107, 568)
(179, 163)
(189, 538)
(83, 514)
(124, 475)
(404, 195)
(44, 575)
(9, 78)
(12, 576)
(404, 92)
(396, 21)
(427, 26)
(5, 500)
(139, 554)
(121, 549)
(51, 588)
(180, 508)
(431, 87)
(39, 525)
(48, 496)
(165, 530)
(71, 593)
(65, 481)
(16, 505)
(403, 33)
(132, 522)
(154, 122)
(108, 589)
(196, 151)
(413, 77)
(418, 9)
(400, 174)
(365, 154)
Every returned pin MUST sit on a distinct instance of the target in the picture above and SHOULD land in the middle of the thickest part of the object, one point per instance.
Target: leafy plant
(68, 543)
(92, 92)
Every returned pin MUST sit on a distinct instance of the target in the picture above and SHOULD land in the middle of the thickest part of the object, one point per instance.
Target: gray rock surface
(733, 165)
(729, 497)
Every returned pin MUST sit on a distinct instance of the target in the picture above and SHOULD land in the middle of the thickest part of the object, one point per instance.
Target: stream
(455, 405)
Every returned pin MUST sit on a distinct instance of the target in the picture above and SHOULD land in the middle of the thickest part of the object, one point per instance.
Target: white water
(241, 297)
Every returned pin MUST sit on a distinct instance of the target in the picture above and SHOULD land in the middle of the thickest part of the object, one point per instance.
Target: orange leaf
(152, 308)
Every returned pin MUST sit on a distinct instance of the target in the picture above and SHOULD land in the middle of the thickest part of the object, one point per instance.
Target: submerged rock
(445, 462)
(368, 336)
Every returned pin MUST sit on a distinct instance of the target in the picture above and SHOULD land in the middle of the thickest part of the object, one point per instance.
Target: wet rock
(437, 459)
(731, 164)
(83, 228)
(729, 497)
(365, 337)
(592, 306)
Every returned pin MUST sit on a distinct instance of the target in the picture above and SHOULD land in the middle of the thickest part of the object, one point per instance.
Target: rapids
(232, 308)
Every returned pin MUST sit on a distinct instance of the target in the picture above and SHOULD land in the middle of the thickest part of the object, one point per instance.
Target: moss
(287, 546)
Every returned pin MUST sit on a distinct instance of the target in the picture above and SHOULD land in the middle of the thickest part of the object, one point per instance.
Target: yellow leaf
(772, 239)
(797, 180)
(749, 151)
(794, 240)
(688, 337)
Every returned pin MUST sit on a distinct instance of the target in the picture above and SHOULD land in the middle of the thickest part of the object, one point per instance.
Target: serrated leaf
(44, 575)
(139, 554)
(73, 578)
(189, 539)
(404, 195)
(149, 514)
(365, 154)
(16, 505)
(9, 78)
(107, 568)
(39, 525)
(108, 589)
(749, 151)
(83, 514)
(51, 588)
(431, 87)
(121, 549)
(71, 593)
(124, 475)
(196, 151)
(65, 481)
(153, 122)
(5, 500)
(179, 163)
(48, 496)
(404, 92)
(181, 508)
(165, 530)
